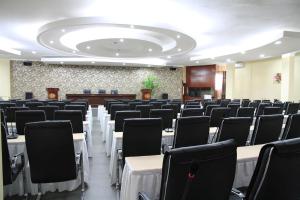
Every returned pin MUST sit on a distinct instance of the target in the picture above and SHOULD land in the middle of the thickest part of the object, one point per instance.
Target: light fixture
(33, 52)
(197, 62)
(169, 57)
(178, 36)
(261, 55)
(88, 47)
(61, 62)
(123, 64)
(51, 42)
(117, 54)
(278, 42)
(228, 60)
(243, 52)
(149, 65)
(121, 40)
(179, 49)
(93, 62)
(212, 58)
(131, 26)
(63, 30)
(73, 51)
(150, 50)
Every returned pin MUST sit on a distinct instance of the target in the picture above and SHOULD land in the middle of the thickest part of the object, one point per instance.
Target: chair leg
(39, 195)
(24, 184)
(82, 177)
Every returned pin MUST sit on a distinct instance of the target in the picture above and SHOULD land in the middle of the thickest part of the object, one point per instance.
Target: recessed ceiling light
(212, 58)
(261, 55)
(88, 47)
(197, 61)
(149, 65)
(169, 57)
(93, 62)
(63, 30)
(228, 60)
(121, 40)
(178, 36)
(51, 42)
(73, 51)
(243, 52)
(33, 52)
(278, 42)
(61, 62)
(179, 49)
(149, 49)
(123, 63)
(131, 26)
(117, 54)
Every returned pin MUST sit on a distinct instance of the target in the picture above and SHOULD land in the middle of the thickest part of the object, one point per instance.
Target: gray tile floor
(99, 184)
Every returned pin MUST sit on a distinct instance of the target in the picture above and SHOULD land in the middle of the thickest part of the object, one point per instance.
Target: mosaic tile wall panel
(73, 79)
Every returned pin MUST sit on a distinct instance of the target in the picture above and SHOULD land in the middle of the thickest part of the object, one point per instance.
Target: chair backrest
(82, 103)
(145, 110)
(49, 111)
(165, 114)
(189, 112)
(174, 107)
(292, 127)
(224, 102)
(267, 129)
(209, 109)
(246, 112)
(32, 105)
(233, 109)
(208, 103)
(133, 105)
(74, 116)
(6, 162)
(237, 128)
(276, 175)
(260, 109)
(217, 115)
(279, 104)
(3, 118)
(195, 103)
(60, 104)
(245, 103)
(191, 131)
(122, 115)
(156, 104)
(26, 116)
(285, 104)
(272, 110)
(50, 151)
(192, 106)
(11, 113)
(199, 172)
(117, 107)
(141, 137)
(292, 108)
(4, 106)
(253, 105)
(110, 103)
(82, 108)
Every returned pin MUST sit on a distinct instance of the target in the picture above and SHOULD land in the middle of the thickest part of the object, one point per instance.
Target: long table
(98, 99)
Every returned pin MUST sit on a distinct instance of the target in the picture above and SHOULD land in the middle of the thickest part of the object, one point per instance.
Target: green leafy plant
(151, 83)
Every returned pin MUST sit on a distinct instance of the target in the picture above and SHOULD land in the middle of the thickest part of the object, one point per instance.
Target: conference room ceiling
(148, 33)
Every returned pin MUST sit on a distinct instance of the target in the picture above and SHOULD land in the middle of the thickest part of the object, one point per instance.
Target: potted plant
(149, 86)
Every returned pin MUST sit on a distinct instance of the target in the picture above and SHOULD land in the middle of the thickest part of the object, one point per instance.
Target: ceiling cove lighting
(10, 50)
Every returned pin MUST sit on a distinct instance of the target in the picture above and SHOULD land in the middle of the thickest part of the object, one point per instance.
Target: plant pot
(146, 94)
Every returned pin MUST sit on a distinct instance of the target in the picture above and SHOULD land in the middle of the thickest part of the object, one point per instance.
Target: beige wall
(5, 78)
(296, 89)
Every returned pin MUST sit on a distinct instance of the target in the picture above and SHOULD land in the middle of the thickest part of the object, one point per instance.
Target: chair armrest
(143, 196)
(15, 159)
(165, 148)
(237, 193)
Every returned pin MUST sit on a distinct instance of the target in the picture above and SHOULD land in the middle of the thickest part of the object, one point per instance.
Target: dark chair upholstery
(208, 103)
(198, 172)
(49, 111)
(189, 112)
(82, 108)
(110, 103)
(195, 103)
(4, 106)
(246, 112)
(217, 115)
(267, 129)
(276, 175)
(26, 116)
(224, 102)
(285, 104)
(32, 105)
(11, 113)
(156, 104)
(74, 116)
(60, 104)
(165, 114)
(292, 127)
(192, 106)
(174, 107)
(260, 109)
(3, 118)
(233, 109)
(145, 110)
(280, 105)
(292, 108)
(133, 105)
(82, 103)
(253, 105)
(141, 137)
(122, 115)
(272, 110)
(191, 131)
(209, 109)
(236, 128)
(245, 103)
(117, 107)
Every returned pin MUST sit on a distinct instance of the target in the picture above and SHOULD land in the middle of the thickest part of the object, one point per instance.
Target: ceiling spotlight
(88, 47)
(178, 36)
(131, 26)
(150, 50)
(63, 30)
(243, 52)
(33, 52)
(61, 62)
(278, 42)
(117, 54)
(197, 62)
(212, 58)
(261, 55)
(179, 49)
(73, 51)
(93, 62)
(51, 42)
(168, 57)
(121, 40)
(123, 63)
(228, 60)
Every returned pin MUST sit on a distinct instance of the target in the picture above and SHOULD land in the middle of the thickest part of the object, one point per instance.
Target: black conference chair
(233, 109)
(292, 108)
(133, 105)
(26, 116)
(292, 127)
(166, 115)
(192, 106)
(11, 118)
(122, 115)
(20, 103)
(276, 175)
(173, 107)
(209, 109)
(260, 108)
(236, 128)
(60, 104)
(217, 115)
(176, 107)
(110, 103)
(156, 104)
(82, 103)
(144, 109)
(56, 157)
(280, 105)
(191, 131)
(198, 172)
(4, 106)
(82, 108)
(246, 112)
(12, 166)
(224, 102)
(253, 105)
(189, 112)
(49, 111)
(272, 111)
(3, 117)
(267, 129)
(285, 105)
(32, 105)
(117, 107)
(206, 103)
(236, 101)
(74, 116)
(245, 103)
(194, 103)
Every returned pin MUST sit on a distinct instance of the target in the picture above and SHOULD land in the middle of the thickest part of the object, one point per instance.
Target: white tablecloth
(143, 174)
(18, 146)
(167, 138)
